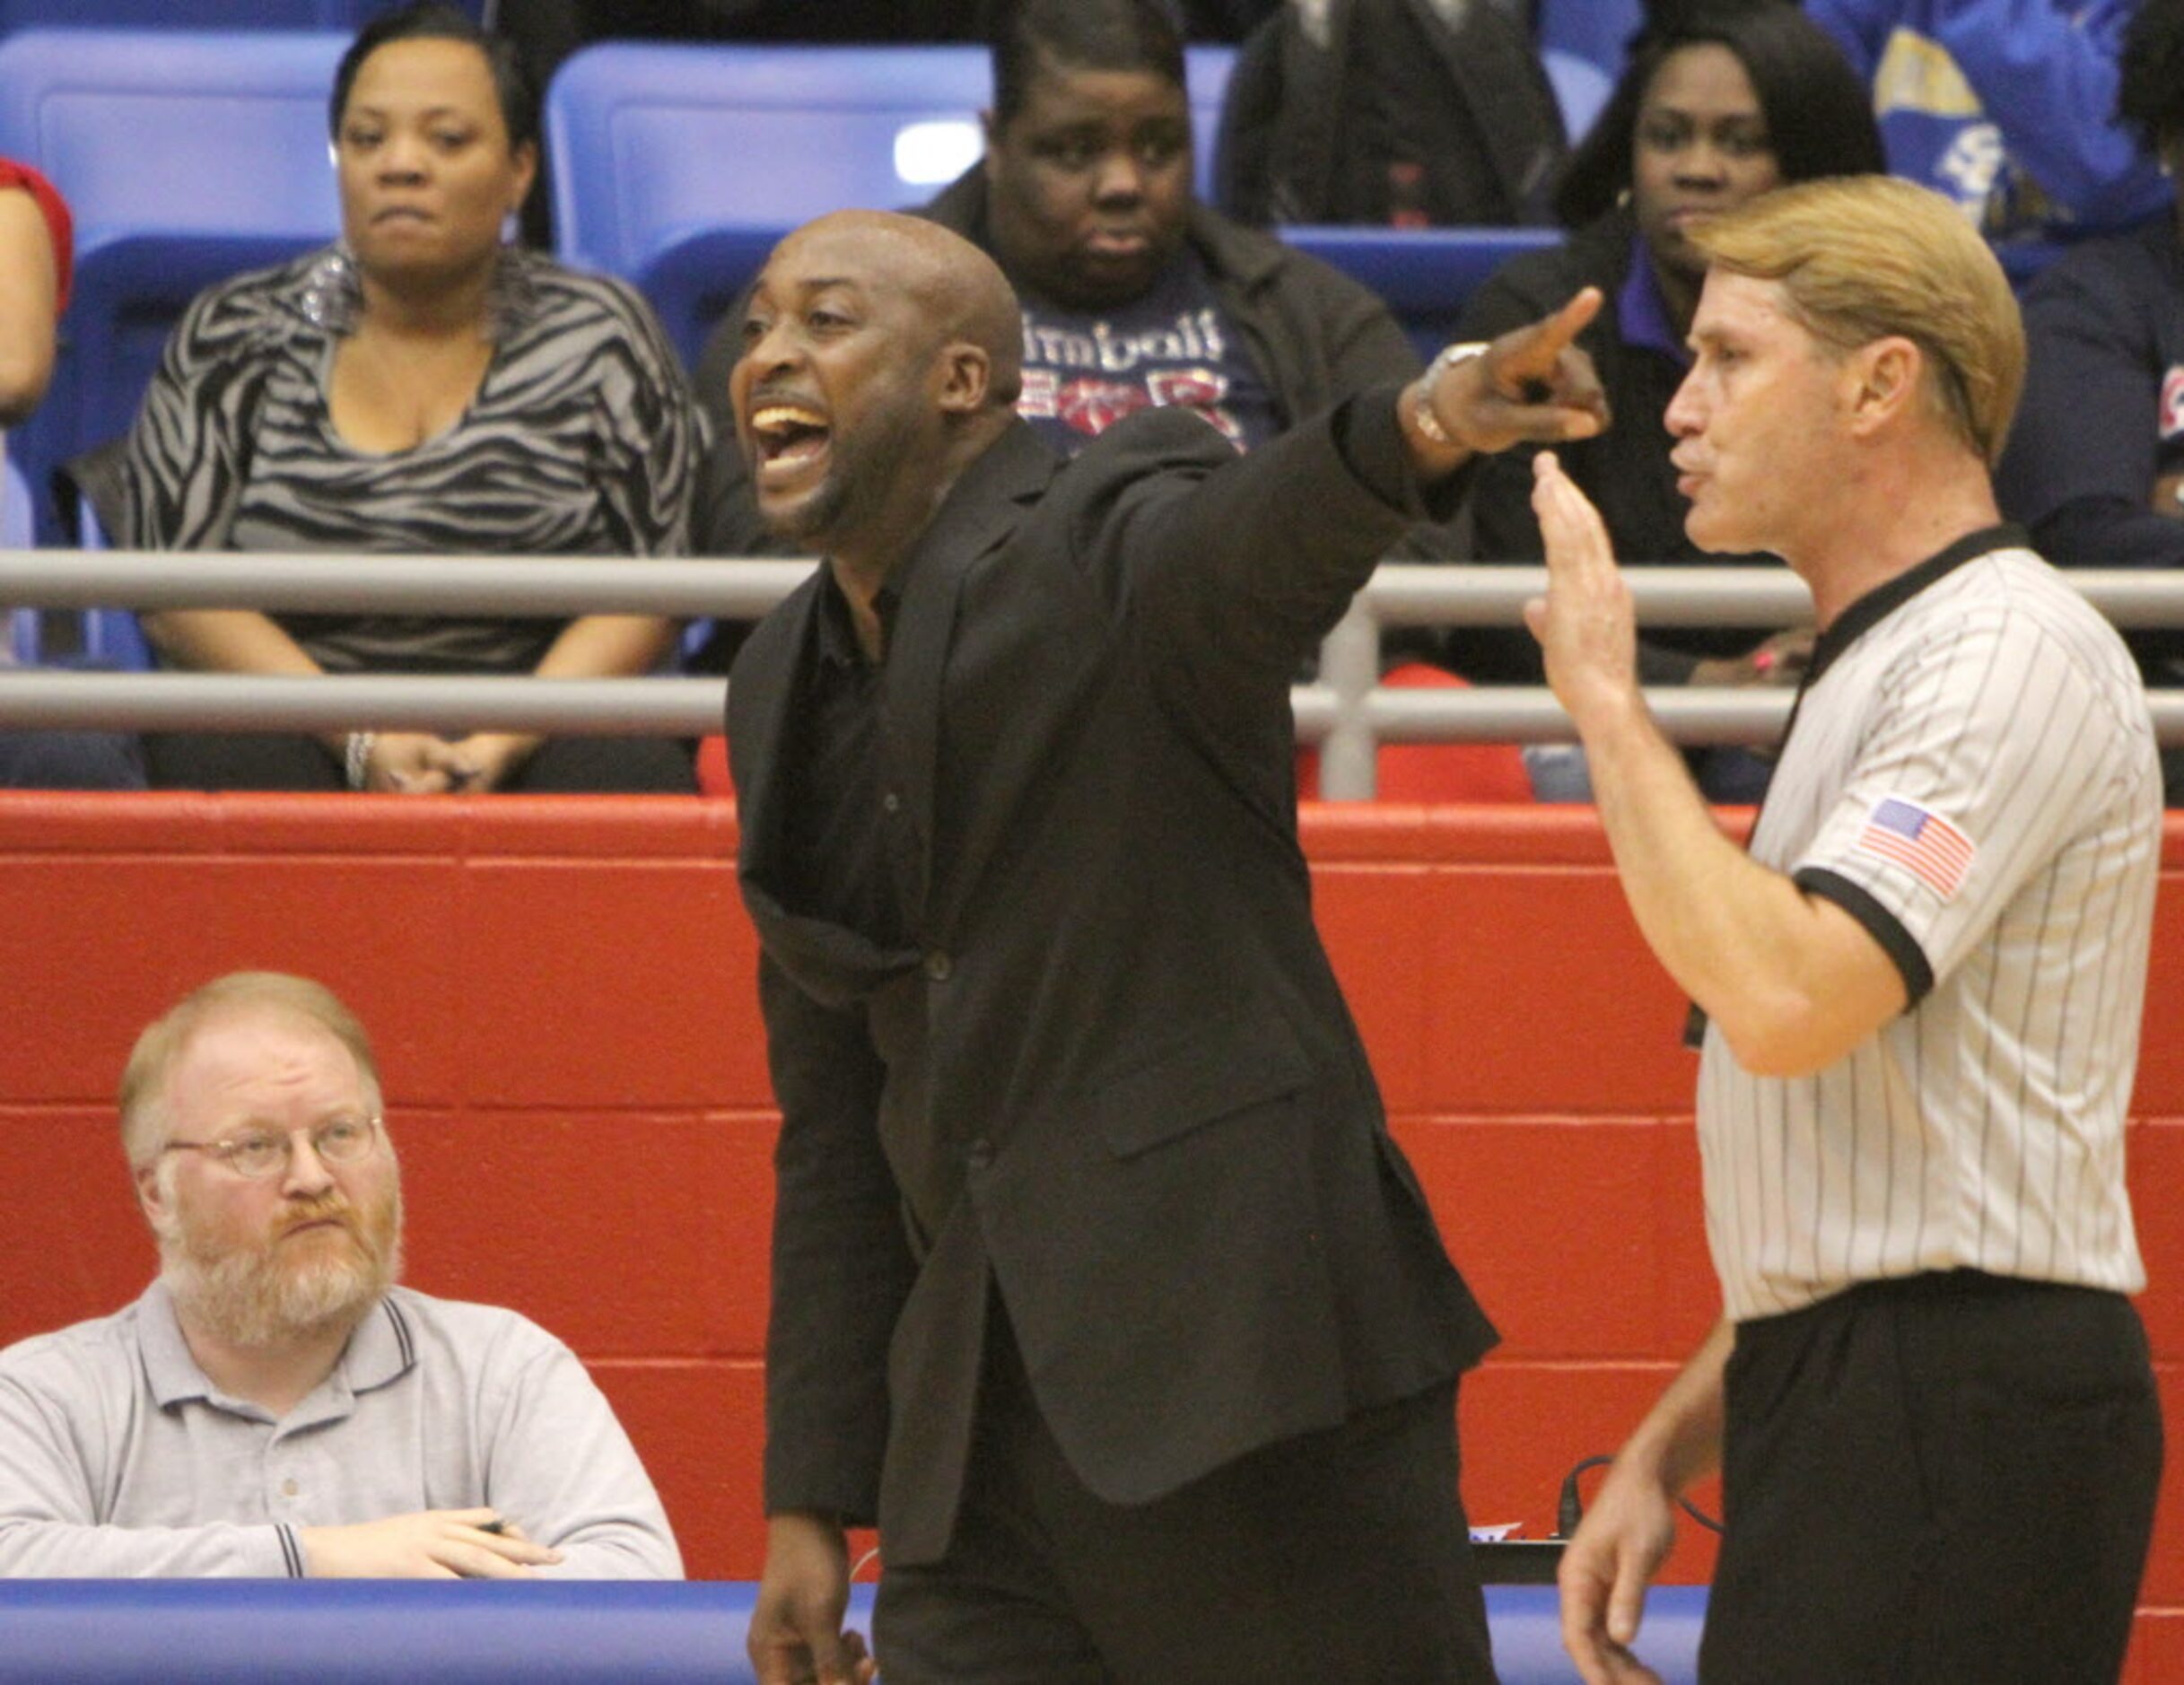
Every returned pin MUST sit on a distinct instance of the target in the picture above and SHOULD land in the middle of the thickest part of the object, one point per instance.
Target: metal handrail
(553, 585)
(1397, 594)
(1346, 709)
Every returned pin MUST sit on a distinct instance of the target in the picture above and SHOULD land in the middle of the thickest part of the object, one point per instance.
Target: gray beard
(255, 1300)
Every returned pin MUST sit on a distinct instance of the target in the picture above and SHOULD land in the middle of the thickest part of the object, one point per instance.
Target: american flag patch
(1935, 851)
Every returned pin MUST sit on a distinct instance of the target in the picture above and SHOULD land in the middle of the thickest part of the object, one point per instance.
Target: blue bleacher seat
(98, 637)
(199, 14)
(137, 15)
(1424, 274)
(1581, 89)
(678, 167)
(1596, 30)
(15, 502)
(186, 157)
(15, 535)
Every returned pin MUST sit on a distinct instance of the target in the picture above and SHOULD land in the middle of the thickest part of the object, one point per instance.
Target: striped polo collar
(383, 1348)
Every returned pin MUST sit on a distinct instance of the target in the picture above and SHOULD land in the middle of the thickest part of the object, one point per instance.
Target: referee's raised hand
(1585, 626)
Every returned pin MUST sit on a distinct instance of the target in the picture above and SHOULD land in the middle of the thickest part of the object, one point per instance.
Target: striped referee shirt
(1971, 774)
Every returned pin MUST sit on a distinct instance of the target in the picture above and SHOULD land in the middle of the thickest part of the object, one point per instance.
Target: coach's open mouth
(789, 440)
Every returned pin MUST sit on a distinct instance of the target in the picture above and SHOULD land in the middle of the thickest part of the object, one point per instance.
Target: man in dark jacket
(1096, 1278)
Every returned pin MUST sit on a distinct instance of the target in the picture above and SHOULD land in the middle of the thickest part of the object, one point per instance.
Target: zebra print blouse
(581, 441)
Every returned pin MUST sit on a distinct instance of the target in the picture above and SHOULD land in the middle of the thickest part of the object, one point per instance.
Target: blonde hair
(143, 1100)
(1863, 258)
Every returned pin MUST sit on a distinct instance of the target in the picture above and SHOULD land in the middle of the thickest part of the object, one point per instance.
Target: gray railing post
(1350, 667)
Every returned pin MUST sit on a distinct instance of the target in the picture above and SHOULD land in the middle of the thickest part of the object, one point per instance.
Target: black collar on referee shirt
(1852, 624)
(1883, 600)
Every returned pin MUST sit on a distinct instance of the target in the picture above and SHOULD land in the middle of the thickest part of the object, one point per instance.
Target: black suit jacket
(1113, 1077)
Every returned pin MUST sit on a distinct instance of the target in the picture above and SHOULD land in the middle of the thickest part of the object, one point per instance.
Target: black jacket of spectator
(2101, 422)
(2105, 326)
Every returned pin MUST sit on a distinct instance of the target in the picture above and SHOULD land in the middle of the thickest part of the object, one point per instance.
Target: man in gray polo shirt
(273, 1405)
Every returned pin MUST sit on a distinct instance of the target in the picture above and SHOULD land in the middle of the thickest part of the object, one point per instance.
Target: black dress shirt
(852, 844)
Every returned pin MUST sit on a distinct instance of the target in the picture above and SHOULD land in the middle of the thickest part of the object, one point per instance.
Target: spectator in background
(544, 32)
(419, 387)
(2004, 106)
(1389, 112)
(2096, 461)
(37, 249)
(1134, 293)
(547, 31)
(274, 1406)
(1717, 104)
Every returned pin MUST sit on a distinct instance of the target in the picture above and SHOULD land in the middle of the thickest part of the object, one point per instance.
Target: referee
(1929, 1398)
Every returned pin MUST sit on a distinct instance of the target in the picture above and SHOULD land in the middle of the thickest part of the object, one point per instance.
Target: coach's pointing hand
(1531, 384)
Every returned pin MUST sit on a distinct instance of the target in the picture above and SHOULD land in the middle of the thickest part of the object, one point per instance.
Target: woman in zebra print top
(419, 387)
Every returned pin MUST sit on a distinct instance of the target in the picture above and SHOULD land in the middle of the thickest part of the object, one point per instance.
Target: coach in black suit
(1097, 1281)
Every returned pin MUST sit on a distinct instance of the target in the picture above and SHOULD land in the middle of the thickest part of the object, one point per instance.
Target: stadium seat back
(202, 15)
(14, 503)
(15, 534)
(1596, 30)
(648, 143)
(199, 14)
(186, 156)
(1424, 274)
(180, 131)
(1581, 89)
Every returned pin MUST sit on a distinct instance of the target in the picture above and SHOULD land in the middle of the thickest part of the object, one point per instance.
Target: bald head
(881, 355)
(958, 289)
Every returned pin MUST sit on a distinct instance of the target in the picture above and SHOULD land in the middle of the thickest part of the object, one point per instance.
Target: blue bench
(201, 15)
(187, 156)
(1423, 275)
(379, 1632)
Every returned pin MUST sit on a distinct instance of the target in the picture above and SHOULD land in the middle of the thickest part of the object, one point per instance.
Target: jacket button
(980, 1154)
(891, 802)
(939, 967)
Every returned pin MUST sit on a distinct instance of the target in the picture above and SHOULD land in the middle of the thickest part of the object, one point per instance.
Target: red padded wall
(562, 995)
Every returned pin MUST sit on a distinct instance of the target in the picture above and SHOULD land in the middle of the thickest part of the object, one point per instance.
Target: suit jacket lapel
(762, 691)
(984, 507)
(833, 965)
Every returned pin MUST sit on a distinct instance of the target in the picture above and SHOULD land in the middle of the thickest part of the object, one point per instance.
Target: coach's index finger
(1543, 379)
(1535, 352)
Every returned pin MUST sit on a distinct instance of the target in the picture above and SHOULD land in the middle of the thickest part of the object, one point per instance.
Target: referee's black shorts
(1947, 1479)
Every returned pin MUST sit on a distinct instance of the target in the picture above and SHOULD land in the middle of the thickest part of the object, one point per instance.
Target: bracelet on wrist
(357, 758)
(1446, 358)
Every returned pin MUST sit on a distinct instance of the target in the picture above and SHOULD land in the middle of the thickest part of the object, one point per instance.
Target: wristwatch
(1447, 357)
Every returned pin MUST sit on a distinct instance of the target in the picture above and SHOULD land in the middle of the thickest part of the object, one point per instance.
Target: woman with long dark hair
(1717, 104)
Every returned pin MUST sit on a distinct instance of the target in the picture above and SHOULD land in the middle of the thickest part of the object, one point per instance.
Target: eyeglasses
(347, 1141)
